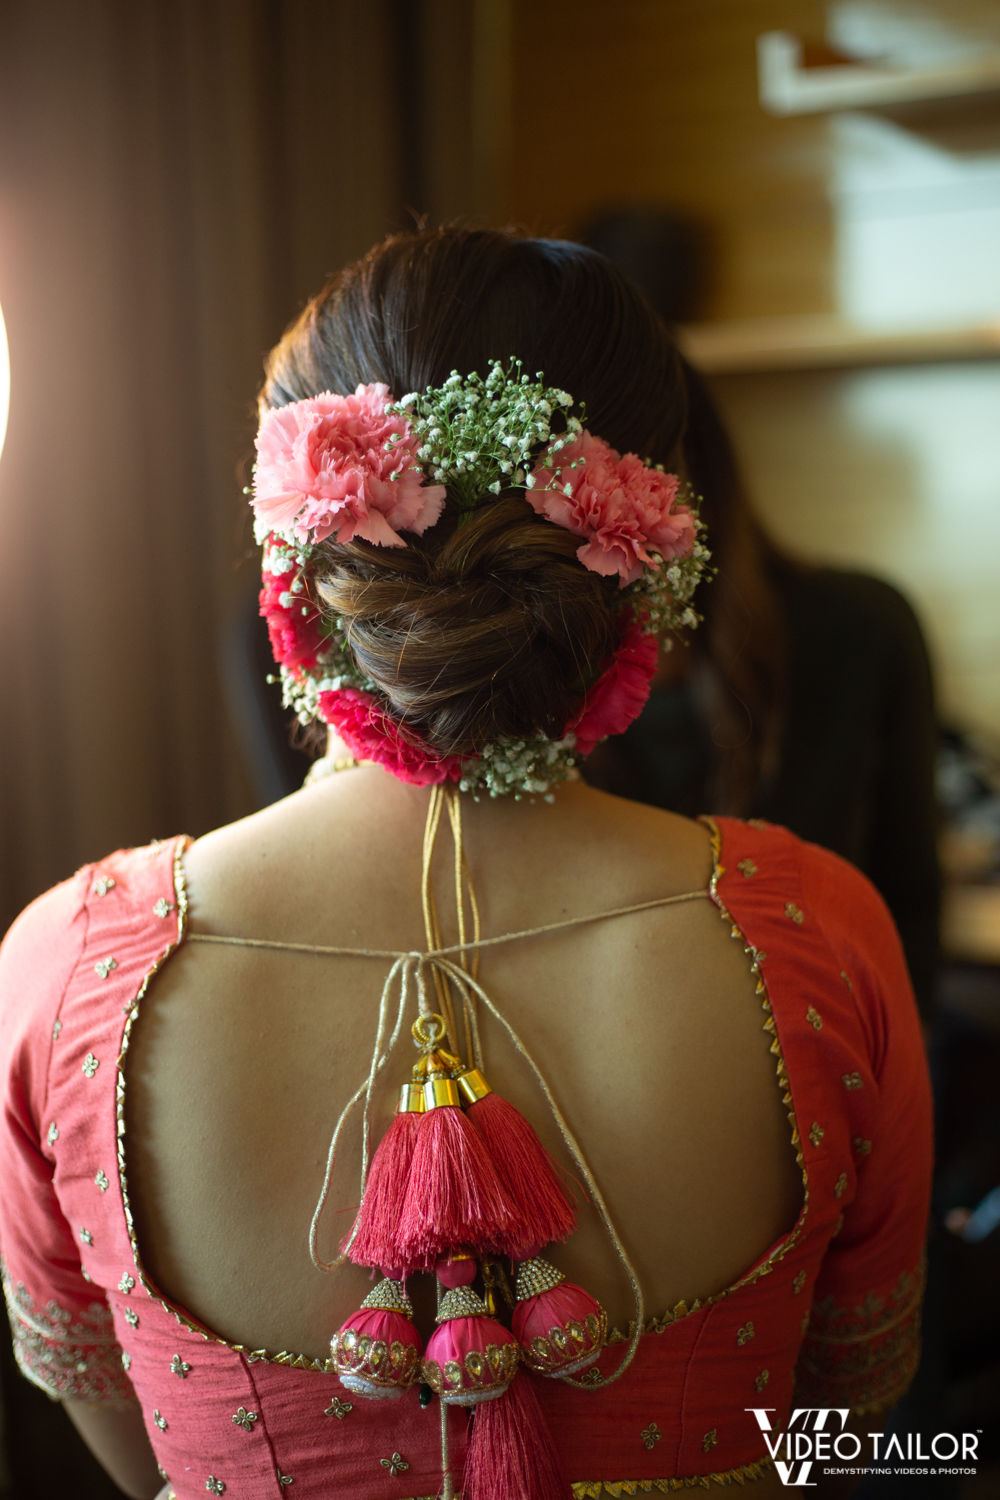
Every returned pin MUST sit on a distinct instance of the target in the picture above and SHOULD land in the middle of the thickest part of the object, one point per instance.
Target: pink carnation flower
(323, 469)
(623, 508)
(370, 734)
(620, 694)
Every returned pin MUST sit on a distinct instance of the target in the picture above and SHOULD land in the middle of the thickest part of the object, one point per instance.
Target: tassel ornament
(545, 1213)
(560, 1327)
(511, 1453)
(377, 1351)
(372, 1240)
(453, 1195)
(470, 1357)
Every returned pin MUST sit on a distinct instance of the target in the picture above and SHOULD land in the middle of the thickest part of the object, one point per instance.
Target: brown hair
(487, 626)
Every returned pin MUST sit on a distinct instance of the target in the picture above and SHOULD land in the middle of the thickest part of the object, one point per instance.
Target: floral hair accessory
(340, 467)
(365, 466)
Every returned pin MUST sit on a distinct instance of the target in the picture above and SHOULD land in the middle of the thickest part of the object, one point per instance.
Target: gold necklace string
(464, 893)
(432, 931)
(464, 889)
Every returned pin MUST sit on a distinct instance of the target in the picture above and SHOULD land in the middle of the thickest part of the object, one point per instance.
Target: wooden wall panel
(655, 101)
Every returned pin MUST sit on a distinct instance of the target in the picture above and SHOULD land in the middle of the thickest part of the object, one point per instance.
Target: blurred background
(810, 190)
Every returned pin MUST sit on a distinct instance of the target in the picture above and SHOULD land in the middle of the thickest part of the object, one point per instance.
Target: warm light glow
(4, 381)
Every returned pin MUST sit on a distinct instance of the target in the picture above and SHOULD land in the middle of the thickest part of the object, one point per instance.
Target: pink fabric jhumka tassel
(377, 1351)
(560, 1327)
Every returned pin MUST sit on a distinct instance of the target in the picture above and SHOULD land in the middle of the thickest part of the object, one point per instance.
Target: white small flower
(408, 399)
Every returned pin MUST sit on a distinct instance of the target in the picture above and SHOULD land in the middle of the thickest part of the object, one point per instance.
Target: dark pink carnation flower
(370, 734)
(620, 694)
(621, 507)
(296, 638)
(324, 469)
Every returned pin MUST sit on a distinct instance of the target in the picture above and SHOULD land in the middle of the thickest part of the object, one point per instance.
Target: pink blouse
(831, 1308)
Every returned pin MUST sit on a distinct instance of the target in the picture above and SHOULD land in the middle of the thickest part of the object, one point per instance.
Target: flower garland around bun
(366, 466)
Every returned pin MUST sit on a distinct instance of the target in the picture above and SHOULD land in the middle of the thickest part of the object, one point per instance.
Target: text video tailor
(817, 1434)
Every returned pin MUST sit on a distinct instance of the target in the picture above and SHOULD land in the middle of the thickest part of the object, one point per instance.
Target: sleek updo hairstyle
(487, 625)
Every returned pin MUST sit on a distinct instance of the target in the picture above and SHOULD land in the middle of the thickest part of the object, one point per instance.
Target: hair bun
(498, 633)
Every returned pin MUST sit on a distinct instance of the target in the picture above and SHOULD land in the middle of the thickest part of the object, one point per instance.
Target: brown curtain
(176, 176)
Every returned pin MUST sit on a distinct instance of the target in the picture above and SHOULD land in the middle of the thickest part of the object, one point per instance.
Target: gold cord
(322, 950)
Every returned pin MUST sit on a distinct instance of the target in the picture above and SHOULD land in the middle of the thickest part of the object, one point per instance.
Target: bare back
(647, 1027)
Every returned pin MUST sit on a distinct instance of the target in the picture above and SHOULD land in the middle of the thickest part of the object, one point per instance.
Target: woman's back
(647, 1027)
(468, 587)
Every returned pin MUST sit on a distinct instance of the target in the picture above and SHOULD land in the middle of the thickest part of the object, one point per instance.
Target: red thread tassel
(373, 1239)
(511, 1453)
(545, 1213)
(453, 1194)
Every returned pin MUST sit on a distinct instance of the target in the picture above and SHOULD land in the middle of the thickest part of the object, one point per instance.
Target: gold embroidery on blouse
(56, 1028)
(745, 1334)
(52, 1134)
(861, 1146)
(396, 1464)
(814, 1018)
(131, 1317)
(104, 967)
(710, 1440)
(86, 1236)
(816, 1132)
(245, 1419)
(840, 1186)
(760, 1381)
(650, 1435)
(102, 885)
(162, 907)
(179, 1367)
(747, 868)
(783, 1246)
(66, 1353)
(863, 1356)
(847, 979)
(90, 1065)
(852, 1080)
(214, 1486)
(159, 1421)
(799, 1281)
(794, 913)
(596, 1489)
(338, 1408)
(101, 1180)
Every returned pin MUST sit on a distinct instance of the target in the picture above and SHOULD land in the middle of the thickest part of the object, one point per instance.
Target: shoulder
(845, 901)
(838, 919)
(46, 943)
